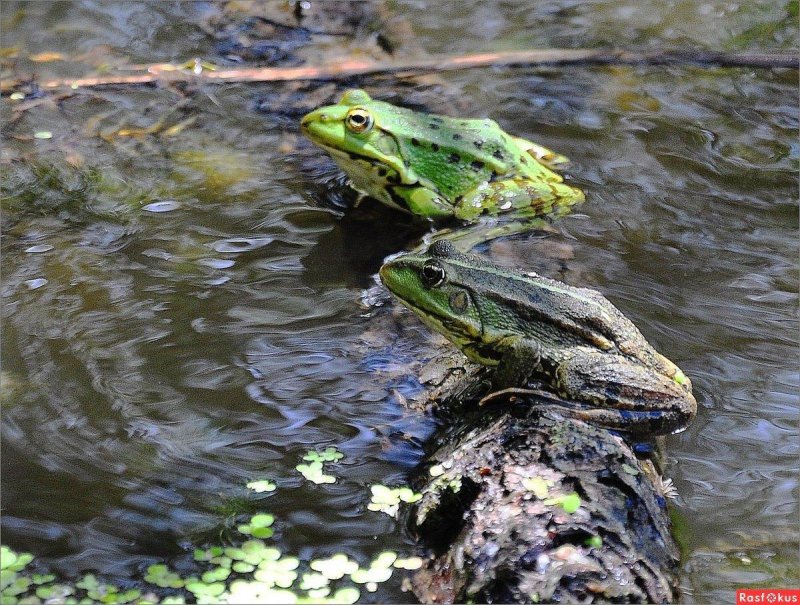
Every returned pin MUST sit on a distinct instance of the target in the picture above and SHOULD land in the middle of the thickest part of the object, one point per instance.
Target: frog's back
(457, 154)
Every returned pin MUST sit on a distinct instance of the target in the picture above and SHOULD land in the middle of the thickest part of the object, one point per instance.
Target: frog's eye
(359, 120)
(433, 274)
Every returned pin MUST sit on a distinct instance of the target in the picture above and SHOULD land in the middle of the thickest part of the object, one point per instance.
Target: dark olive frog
(530, 327)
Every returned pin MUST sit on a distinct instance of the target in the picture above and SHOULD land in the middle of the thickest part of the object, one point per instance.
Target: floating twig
(197, 70)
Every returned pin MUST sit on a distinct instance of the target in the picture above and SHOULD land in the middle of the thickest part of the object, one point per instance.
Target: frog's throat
(405, 173)
(469, 344)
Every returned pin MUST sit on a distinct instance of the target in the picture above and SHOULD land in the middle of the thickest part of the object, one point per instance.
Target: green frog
(436, 166)
(572, 340)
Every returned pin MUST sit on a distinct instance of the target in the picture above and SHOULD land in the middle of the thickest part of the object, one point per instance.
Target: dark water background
(153, 362)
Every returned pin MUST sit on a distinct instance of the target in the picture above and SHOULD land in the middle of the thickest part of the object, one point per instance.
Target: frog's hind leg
(639, 422)
(518, 197)
(542, 154)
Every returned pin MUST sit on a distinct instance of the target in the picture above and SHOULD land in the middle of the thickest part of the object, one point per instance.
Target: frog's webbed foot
(641, 422)
(466, 238)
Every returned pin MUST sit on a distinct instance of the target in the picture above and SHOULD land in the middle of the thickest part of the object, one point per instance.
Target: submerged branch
(198, 71)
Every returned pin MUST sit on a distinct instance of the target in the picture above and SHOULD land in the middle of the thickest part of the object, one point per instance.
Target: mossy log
(521, 505)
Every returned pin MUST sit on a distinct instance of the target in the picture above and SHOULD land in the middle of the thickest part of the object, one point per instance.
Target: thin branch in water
(199, 71)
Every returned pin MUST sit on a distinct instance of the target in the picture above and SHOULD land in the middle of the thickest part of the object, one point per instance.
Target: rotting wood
(492, 516)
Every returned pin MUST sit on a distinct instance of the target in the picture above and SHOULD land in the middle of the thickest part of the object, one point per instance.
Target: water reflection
(181, 315)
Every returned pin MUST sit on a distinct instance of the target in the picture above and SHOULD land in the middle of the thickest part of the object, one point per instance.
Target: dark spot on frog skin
(394, 179)
(478, 144)
(523, 160)
(456, 137)
(476, 165)
(459, 301)
(459, 199)
(434, 146)
(436, 119)
(498, 154)
(382, 172)
(415, 142)
(454, 158)
(433, 126)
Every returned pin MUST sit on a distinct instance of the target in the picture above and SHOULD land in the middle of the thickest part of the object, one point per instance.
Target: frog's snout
(310, 118)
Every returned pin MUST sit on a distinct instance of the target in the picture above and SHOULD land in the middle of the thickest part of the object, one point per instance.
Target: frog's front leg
(420, 201)
(520, 360)
(521, 197)
(614, 392)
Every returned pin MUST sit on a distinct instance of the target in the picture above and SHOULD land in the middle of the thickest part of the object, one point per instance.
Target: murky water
(181, 311)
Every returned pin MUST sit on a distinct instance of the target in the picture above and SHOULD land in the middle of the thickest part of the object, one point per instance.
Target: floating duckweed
(208, 554)
(216, 575)
(161, 576)
(329, 454)
(539, 486)
(385, 559)
(373, 574)
(314, 581)
(409, 563)
(336, 567)
(242, 567)
(203, 589)
(313, 472)
(173, 600)
(259, 526)
(387, 500)
(243, 592)
(569, 502)
(316, 594)
(38, 578)
(279, 573)
(261, 486)
(13, 561)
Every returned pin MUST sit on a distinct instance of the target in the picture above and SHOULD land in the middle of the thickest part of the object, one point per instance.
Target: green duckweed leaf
(215, 575)
(569, 502)
(243, 567)
(261, 486)
(161, 576)
(313, 472)
(199, 588)
(279, 573)
(409, 563)
(7, 557)
(314, 581)
(245, 592)
(539, 486)
(384, 559)
(594, 542)
(329, 454)
(336, 567)
(373, 574)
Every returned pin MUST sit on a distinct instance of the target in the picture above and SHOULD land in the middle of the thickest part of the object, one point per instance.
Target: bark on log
(495, 515)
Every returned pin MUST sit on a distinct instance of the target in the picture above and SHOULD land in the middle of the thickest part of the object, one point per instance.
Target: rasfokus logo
(768, 596)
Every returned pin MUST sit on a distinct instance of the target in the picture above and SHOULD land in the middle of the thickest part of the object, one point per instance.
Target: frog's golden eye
(433, 274)
(359, 120)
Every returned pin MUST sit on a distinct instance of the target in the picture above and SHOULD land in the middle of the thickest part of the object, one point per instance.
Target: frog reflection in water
(571, 339)
(436, 166)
